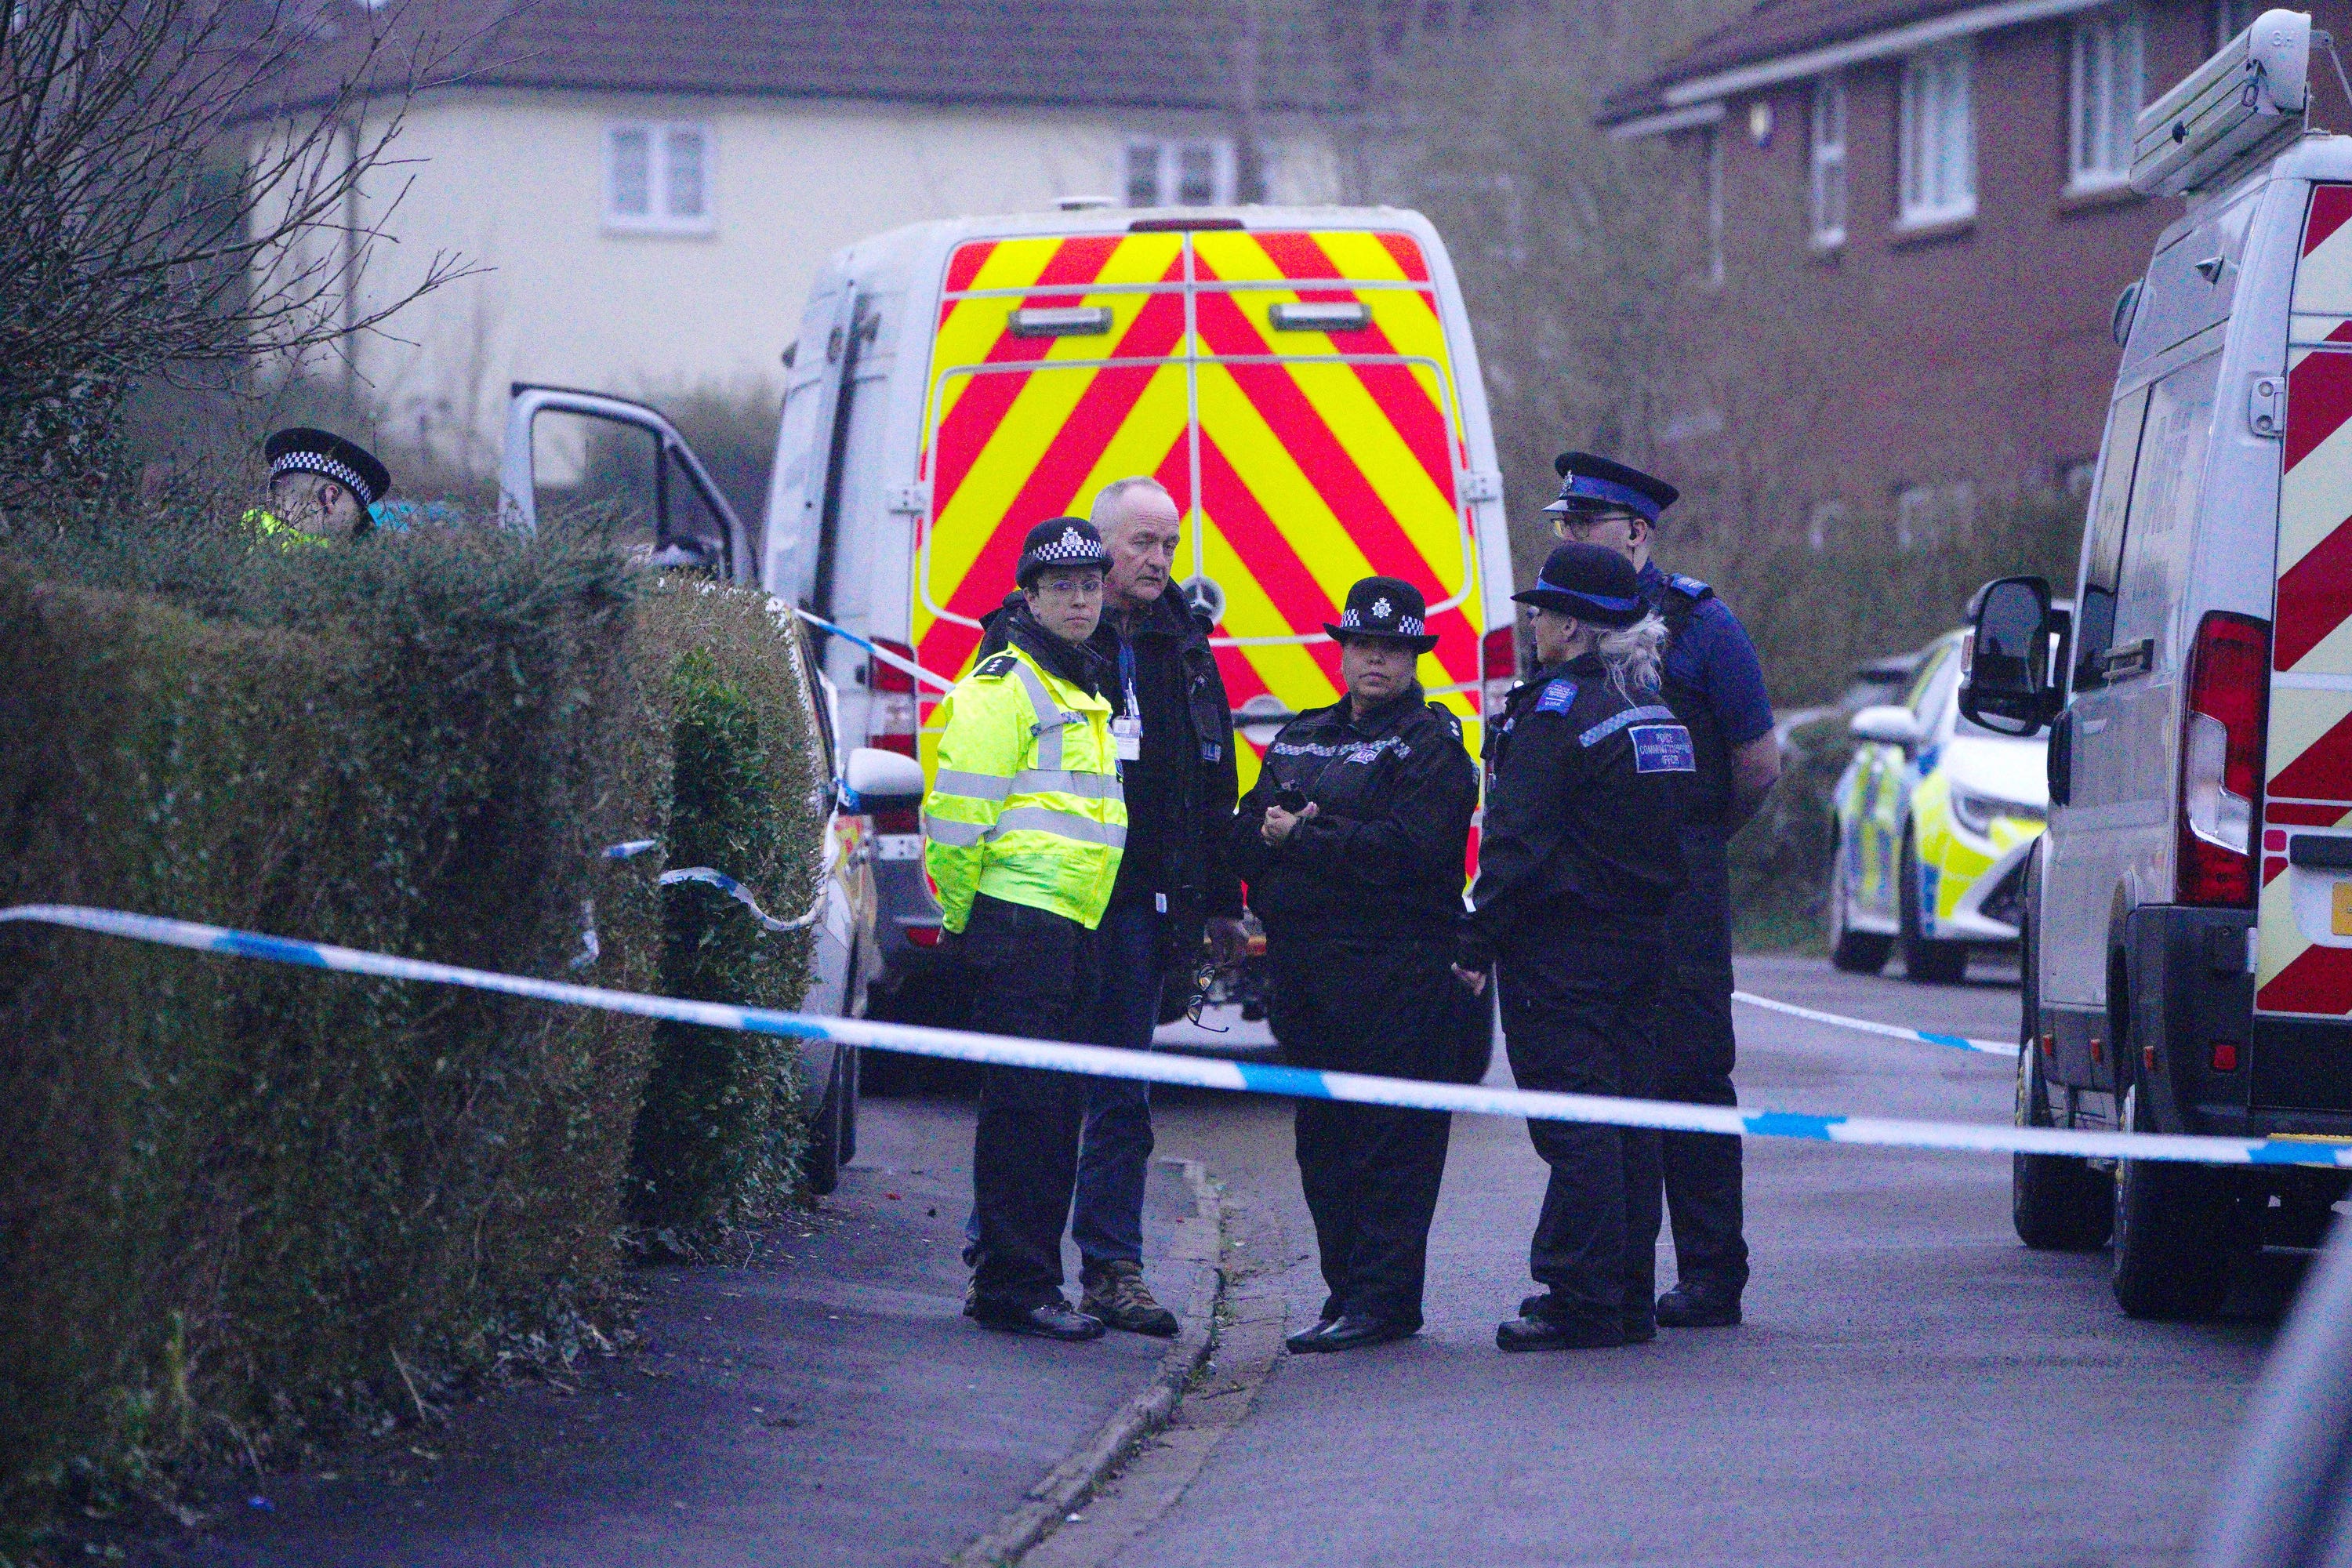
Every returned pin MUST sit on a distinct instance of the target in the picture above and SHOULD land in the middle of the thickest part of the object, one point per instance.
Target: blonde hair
(1634, 656)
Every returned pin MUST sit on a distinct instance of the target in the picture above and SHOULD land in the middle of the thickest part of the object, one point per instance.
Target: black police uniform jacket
(1585, 792)
(1382, 857)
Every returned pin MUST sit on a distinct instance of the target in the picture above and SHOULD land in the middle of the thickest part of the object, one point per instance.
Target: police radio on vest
(2242, 105)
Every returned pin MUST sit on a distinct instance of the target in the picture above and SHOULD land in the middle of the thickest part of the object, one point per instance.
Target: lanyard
(1127, 677)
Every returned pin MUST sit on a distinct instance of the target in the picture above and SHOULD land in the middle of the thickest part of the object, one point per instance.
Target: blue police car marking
(1664, 748)
(1616, 721)
(1558, 697)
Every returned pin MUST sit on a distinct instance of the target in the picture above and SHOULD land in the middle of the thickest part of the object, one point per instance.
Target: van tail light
(891, 723)
(1499, 667)
(2222, 729)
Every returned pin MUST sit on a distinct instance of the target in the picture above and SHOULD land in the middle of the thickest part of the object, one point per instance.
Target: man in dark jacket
(1352, 843)
(1174, 725)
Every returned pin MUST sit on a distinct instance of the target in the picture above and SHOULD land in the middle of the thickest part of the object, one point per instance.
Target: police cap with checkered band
(1058, 544)
(303, 450)
(1389, 608)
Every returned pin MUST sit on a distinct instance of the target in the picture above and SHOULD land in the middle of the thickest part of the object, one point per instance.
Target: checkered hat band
(320, 463)
(1409, 625)
(1071, 546)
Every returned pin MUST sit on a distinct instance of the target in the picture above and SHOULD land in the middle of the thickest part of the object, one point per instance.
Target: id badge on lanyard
(1127, 729)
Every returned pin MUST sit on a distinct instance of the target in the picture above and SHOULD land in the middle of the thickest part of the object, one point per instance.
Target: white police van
(2188, 933)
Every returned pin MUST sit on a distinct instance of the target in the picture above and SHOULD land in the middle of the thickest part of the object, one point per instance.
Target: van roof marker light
(1062, 322)
(2245, 103)
(1180, 225)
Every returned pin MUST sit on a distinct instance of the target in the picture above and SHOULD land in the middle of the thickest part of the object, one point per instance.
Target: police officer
(1022, 833)
(1352, 844)
(1716, 687)
(320, 487)
(1588, 774)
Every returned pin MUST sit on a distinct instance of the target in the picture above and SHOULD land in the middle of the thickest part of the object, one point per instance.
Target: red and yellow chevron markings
(1322, 456)
(2305, 964)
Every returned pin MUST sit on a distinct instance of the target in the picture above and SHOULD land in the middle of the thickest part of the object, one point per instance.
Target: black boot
(1541, 1331)
(1698, 1304)
(1352, 1331)
(1052, 1320)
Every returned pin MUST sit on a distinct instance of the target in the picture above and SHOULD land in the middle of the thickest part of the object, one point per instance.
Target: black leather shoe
(1305, 1341)
(1697, 1304)
(1352, 1330)
(1639, 1330)
(1545, 1334)
(1053, 1320)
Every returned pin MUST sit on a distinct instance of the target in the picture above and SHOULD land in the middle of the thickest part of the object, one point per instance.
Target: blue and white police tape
(1299, 1082)
(895, 662)
(712, 877)
(1870, 1027)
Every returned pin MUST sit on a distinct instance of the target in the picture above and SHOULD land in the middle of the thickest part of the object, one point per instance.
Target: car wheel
(823, 1162)
(1924, 958)
(1854, 951)
(2057, 1204)
(2172, 1233)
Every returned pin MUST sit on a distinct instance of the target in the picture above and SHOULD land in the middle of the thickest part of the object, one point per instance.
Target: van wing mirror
(2008, 684)
(877, 779)
(1888, 724)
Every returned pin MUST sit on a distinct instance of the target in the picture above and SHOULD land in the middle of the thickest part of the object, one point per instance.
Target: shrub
(250, 1205)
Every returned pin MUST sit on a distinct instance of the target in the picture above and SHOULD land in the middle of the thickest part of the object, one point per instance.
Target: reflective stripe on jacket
(1025, 806)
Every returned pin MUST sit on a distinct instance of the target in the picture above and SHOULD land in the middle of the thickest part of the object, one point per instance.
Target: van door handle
(2059, 762)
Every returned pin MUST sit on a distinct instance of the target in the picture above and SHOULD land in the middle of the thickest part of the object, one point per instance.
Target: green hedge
(250, 1206)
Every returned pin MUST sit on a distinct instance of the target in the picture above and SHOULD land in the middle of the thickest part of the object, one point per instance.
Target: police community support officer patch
(1664, 748)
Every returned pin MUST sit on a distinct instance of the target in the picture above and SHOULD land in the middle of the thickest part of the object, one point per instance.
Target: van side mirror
(2007, 685)
(1888, 724)
(878, 780)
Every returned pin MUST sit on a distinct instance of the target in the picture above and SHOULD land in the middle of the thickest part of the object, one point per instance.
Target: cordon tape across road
(1298, 1082)
(1868, 1026)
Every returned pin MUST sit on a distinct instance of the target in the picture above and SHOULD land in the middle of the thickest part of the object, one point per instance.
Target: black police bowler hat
(303, 450)
(1387, 608)
(1060, 543)
(1588, 483)
(1589, 581)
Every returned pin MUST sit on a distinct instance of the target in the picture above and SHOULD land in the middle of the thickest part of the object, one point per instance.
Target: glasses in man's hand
(1205, 981)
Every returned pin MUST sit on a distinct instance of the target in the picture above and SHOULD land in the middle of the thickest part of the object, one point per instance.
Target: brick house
(1903, 225)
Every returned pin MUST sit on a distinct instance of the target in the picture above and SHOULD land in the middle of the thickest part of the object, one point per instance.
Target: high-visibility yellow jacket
(1025, 806)
(268, 526)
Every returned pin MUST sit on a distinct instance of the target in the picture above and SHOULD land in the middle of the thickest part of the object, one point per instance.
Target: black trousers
(1370, 1172)
(1692, 1026)
(1036, 973)
(1576, 1015)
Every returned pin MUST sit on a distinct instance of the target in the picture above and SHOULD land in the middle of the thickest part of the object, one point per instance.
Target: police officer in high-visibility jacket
(323, 488)
(1588, 778)
(1024, 828)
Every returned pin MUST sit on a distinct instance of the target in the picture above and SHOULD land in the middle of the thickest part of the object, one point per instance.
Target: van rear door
(1293, 390)
(2305, 964)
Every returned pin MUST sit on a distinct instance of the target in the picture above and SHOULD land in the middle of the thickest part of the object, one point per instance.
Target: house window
(1829, 162)
(1169, 173)
(658, 177)
(1938, 147)
(2104, 99)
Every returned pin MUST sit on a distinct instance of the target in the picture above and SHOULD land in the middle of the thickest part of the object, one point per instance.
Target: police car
(1935, 816)
(2188, 919)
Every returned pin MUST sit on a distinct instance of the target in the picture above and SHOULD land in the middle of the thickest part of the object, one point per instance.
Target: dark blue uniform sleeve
(1730, 675)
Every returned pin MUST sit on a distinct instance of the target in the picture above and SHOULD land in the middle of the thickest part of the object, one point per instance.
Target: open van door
(693, 522)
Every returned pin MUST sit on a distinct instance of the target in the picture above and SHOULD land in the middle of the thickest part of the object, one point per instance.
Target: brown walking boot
(1115, 1293)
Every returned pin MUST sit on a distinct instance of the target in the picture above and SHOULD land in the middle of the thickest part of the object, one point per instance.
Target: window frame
(657, 217)
(1936, 102)
(2113, 45)
(1167, 162)
(1826, 163)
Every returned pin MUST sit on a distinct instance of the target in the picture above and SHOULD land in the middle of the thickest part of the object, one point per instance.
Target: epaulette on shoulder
(998, 668)
(1689, 587)
(1451, 719)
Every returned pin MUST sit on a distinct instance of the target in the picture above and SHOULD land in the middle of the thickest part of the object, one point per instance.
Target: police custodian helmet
(1589, 582)
(1059, 544)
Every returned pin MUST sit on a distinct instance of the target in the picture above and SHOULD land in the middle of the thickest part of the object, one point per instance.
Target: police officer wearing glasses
(1352, 844)
(1715, 687)
(1588, 774)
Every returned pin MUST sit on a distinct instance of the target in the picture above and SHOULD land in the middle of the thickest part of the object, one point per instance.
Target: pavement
(1910, 1381)
(828, 1405)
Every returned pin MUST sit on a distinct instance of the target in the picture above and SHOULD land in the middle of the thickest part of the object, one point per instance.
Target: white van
(1302, 380)
(2188, 933)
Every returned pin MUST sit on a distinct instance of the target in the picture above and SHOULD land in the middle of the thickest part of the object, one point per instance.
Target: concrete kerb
(1199, 1240)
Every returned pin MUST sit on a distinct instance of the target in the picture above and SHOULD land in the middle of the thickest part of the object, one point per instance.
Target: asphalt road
(1910, 1385)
